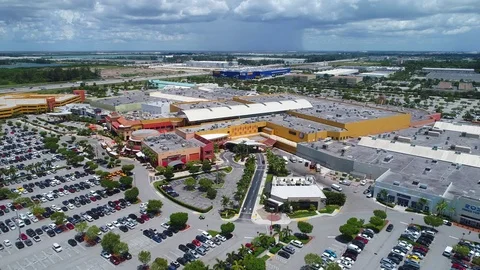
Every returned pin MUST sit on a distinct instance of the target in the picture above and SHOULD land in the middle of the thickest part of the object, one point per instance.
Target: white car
(207, 235)
(363, 182)
(221, 237)
(210, 243)
(405, 244)
(143, 205)
(34, 219)
(326, 257)
(71, 206)
(116, 224)
(110, 226)
(88, 218)
(346, 264)
(363, 235)
(106, 255)
(296, 243)
(30, 215)
(399, 252)
(36, 238)
(57, 247)
(7, 243)
(165, 225)
(348, 260)
(66, 192)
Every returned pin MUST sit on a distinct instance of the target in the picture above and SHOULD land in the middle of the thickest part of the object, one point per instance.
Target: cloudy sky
(275, 25)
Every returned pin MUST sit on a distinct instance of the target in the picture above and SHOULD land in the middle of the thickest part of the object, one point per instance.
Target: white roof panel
(458, 127)
(307, 192)
(233, 111)
(422, 151)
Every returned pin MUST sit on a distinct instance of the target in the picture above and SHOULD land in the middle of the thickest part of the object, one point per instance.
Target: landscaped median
(158, 185)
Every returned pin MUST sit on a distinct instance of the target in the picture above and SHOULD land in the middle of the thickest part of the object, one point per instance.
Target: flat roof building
(337, 72)
(301, 190)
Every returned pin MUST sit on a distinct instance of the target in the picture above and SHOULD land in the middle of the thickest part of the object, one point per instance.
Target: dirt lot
(129, 72)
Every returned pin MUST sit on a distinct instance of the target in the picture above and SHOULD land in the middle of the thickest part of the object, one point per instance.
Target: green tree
(441, 207)
(227, 228)
(5, 193)
(81, 227)
(380, 213)
(433, 221)
(126, 181)
(461, 250)
(333, 266)
(305, 227)
(312, 259)
(169, 174)
(382, 195)
(58, 217)
(211, 193)
(190, 183)
(356, 222)
(109, 184)
(131, 195)
(37, 209)
(159, 264)
(376, 221)
(154, 206)
(109, 241)
(195, 265)
(92, 233)
(144, 257)
(476, 260)
(219, 264)
(206, 166)
(127, 169)
(335, 198)
(160, 169)
(348, 230)
(225, 201)
(178, 220)
(253, 263)
(120, 248)
(205, 184)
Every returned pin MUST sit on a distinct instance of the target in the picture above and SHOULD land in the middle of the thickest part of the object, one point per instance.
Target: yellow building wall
(379, 125)
(317, 119)
(237, 130)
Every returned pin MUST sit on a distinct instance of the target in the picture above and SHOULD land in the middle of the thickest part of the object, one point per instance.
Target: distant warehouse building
(250, 74)
(348, 80)
(300, 77)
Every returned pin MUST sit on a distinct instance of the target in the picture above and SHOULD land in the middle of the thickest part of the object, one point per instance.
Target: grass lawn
(329, 209)
(258, 251)
(228, 169)
(269, 177)
(276, 248)
(213, 233)
(230, 214)
(265, 257)
(302, 213)
(293, 237)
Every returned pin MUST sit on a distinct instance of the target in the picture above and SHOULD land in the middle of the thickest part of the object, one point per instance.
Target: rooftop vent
(415, 182)
(422, 186)
(396, 183)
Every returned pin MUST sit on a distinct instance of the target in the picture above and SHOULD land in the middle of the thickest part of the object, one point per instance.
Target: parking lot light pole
(20, 229)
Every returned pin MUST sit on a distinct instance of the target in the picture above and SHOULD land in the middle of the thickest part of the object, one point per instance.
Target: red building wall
(80, 93)
(207, 150)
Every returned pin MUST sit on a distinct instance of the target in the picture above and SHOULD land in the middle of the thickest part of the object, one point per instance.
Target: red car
(3, 207)
(361, 239)
(196, 242)
(115, 260)
(458, 266)
(145, 217)
(93, 199)
(422, 248)
(118, 208)
(23, 237)
(70, 226)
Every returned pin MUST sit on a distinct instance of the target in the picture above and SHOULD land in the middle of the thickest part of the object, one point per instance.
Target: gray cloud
(233, 24)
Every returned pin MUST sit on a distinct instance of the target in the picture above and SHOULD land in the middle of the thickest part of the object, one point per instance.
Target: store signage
(471, 209)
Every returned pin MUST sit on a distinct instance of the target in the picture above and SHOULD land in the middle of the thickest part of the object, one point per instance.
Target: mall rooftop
(171, 142)
(298, 124)
(335, 110)
(207, 104)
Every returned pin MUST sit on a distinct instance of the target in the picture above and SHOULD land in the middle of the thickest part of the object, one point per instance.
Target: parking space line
(38, 260)
(453, 237)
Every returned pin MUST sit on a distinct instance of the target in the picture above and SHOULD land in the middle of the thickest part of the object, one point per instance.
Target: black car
(51, 233)
(38, 231)
(28, 242)
(126, 256)
(390, 227)
(30, 232)
(183, 248)
(182, 261)
(132, 216)
(19, 244)
(72, 242)
(168, 233)
(123, 228)
(191, 246)
(80, 238)
(148, 233)
(283, 254)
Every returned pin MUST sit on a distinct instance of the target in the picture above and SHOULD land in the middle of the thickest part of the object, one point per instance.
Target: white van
(293, 159)
(448, 251)
(318, 168)
(286, 159)
(337, 187)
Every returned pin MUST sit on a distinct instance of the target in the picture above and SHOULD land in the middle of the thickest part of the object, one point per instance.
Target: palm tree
(231, 257)
(441, 207)
(422, 202)
(383, 194)
(237, 266)
(286, 232)
(243, 251)
(219, 265)
(452, 210)
(48, 163)
(225, 201)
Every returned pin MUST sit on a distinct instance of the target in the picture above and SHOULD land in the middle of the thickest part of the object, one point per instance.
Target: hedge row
(201, 210)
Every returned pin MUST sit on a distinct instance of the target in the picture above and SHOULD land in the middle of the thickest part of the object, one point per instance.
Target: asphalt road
(249, 203)
(98, 82)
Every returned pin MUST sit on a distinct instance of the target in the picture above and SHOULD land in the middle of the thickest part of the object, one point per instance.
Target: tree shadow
(343, 239)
